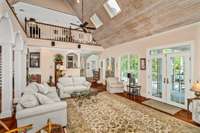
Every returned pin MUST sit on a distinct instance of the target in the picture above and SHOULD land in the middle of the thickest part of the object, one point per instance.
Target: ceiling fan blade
(85, 23)
(84, 30)
(91, 28)
(75, 24)
(77, 28)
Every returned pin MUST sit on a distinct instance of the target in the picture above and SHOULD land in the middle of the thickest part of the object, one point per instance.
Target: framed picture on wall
(142, 63)
(34, 59)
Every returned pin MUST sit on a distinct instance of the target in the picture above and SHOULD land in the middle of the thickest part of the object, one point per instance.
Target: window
(96, 21)
(110, 67)
(112, 8)
(134, 66)
(129, 63)
(72, 60)
(124, 68)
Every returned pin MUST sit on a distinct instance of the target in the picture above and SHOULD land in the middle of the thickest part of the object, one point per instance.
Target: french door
(170, 78)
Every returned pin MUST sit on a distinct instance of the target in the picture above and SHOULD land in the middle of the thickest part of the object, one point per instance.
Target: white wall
(47, 65)
(140, 47)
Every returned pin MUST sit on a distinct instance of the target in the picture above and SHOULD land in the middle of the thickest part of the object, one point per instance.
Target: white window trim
(93, 21)
(108, 10)
(129, 65)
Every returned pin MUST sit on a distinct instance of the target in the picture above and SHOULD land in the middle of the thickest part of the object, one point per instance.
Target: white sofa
(196, 111)
(114, 86)
(68, 85)
(38, 115)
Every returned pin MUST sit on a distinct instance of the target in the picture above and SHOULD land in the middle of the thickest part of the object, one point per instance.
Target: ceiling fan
(84, 24)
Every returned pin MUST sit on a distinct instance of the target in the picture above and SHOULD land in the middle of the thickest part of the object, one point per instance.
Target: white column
(19, 67)
(79, 60)
(19, 73)
(6, 80)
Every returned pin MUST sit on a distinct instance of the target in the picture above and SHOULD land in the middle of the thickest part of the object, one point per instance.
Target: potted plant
(58, 58)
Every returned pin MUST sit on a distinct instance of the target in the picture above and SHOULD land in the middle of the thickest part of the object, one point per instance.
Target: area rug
(162, 106)
(108, 113)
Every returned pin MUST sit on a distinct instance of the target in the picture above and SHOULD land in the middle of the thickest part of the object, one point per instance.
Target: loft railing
(38, 30)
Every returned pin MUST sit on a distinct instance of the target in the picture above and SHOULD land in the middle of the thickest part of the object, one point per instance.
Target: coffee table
(85, 95)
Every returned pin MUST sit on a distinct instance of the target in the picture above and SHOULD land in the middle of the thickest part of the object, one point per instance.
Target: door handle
(164, 80)
(167, 81)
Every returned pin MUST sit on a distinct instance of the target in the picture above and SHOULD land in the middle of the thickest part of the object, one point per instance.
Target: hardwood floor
(183, 114)
(10, 122)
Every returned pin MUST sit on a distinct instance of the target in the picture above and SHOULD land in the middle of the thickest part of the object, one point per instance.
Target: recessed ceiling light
(78, 1)
(21, 10)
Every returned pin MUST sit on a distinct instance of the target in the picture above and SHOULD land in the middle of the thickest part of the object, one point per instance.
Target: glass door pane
(177, 78)
(124, 68)
(157, 77)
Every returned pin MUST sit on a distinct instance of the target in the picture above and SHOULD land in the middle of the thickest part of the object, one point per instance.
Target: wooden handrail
(52, 25)
(44, 31)
(25, 30)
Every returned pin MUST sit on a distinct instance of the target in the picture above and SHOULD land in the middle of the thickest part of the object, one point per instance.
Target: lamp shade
(62, 68)
(196, 87)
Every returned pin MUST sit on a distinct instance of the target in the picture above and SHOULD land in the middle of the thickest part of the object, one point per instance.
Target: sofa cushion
(28, 101)
(53, 95)
(66, 81)
(31, 88)
(43, 99)
(80, 87)
(116, 85)
(112, 80)
(29, 112)
(79, 80)
(43, 88)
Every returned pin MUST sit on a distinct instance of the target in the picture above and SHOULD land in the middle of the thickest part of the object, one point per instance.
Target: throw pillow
(53, 95)
(43, 99)
(43, 88)
(31, 88)
(28, 101)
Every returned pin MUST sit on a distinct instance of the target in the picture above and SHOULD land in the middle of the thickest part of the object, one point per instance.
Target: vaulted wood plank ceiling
(138, 18)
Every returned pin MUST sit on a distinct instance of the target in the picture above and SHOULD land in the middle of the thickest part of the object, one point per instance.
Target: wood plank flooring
(10, 122)
(183, 114)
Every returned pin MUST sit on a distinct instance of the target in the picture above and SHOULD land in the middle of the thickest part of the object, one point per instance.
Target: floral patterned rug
(108, 113)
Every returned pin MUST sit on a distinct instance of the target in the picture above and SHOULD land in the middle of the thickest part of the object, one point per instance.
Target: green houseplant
(58, 58)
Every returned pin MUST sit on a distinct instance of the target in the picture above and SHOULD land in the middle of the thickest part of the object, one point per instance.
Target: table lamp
(196, 89)
(129, 77)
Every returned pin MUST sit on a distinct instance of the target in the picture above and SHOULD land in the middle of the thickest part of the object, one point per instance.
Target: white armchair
(114, 86)
(196, 111)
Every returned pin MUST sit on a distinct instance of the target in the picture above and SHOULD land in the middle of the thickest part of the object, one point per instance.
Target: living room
(99, 66)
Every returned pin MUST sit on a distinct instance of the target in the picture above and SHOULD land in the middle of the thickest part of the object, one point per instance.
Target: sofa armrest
(88, 84)
(41, 109)
(60, 86)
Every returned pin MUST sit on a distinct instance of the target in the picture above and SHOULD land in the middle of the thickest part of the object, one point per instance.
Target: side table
(189, 100)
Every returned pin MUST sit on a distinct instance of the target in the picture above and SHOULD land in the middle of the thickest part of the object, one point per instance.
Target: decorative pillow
(66, 81)
(28, 101)
(53, 95)
(31, 88)
(43, 99)
(43, 88)
(116, 85)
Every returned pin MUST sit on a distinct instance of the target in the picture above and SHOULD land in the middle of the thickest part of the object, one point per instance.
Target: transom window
(112, 8)
(96, 21)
